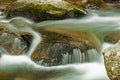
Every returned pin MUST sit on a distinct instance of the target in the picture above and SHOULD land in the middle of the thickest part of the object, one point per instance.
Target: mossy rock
(44, 10)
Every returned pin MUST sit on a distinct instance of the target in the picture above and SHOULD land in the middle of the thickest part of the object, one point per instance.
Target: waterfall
(98, 24)
(3, 51)
(35, 42)
(79, 57)
(17, 44)
(24, 26)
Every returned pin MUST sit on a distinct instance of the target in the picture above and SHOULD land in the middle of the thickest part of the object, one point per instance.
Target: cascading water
(16, 67)
(35, 42)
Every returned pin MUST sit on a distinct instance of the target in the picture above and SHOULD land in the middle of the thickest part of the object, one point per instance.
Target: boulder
(89, 4)
(112, 37)
(57, 43)
(114, 4)
(112, 61)
(10, 42)
(4, 4)
(40, 10)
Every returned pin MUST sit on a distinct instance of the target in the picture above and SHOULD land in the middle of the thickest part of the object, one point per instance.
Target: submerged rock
(112, 61)
(40, 10)
(112, 37)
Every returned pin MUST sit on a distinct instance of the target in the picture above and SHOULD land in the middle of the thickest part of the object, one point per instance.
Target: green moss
(77, 12)
(43, 9)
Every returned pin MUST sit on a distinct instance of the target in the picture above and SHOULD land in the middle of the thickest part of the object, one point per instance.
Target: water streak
(86, 71)
(97, 24)
(100, 25)
(35, 42)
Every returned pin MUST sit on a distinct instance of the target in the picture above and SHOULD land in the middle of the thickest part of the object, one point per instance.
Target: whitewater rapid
(99, 24)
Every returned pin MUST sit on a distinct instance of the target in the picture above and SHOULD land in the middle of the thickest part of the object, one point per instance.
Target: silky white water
(99, 24)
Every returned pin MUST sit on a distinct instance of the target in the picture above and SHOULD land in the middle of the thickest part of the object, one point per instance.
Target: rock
(112, 61)
(10, 42)
(89, 4)
(112, 1)
(96, 4)
(113, 4)
(44, 10)
(3, 75)
(27, 37)
(112, 37)
(57, 42)
(4, 4)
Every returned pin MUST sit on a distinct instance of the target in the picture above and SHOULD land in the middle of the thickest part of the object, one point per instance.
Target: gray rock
(112, 61)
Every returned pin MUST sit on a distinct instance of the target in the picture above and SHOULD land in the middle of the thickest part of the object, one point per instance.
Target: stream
(21, 67)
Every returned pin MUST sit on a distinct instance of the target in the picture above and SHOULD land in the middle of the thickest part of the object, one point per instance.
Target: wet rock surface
(89, 4)
(10, 42)
(95, 4)
(60, 47)
(44, 10)
(112, 37)
(112, 1)
(112, 61)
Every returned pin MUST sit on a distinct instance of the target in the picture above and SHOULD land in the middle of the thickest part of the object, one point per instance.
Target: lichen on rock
(112, 61)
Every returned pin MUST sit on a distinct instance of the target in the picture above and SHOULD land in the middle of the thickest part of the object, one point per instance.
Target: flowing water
(21, 67)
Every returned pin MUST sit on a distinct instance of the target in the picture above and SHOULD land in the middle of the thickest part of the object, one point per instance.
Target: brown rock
(4, 4)
(92, 4)
(3, 75)
(57, 41)
(27, 37)
(112, 1)
(112, 37)
(10, 42)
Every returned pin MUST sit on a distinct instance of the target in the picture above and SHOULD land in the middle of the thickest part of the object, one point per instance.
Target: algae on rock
(44, 10)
